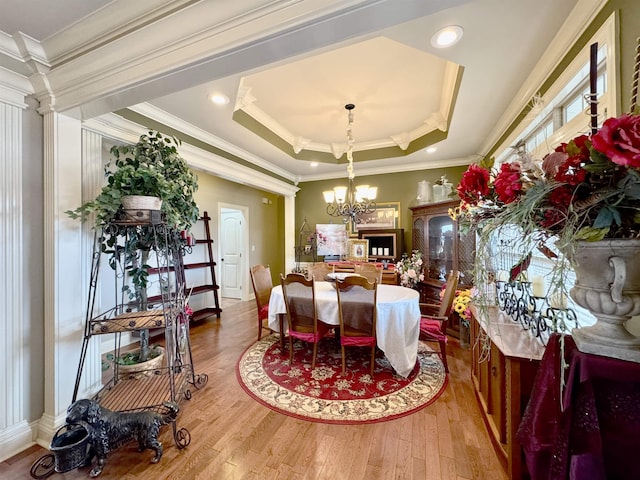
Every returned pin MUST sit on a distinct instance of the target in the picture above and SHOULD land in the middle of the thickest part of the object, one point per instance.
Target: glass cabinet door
(441, 248)
(445, 248)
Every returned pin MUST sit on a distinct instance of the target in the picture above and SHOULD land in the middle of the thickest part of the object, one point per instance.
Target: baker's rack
(161, 309)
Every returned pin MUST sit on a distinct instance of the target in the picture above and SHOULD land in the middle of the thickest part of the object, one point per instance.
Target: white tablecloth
(398, 325)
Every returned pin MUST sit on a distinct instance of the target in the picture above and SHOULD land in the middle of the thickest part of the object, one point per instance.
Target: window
(563, 111)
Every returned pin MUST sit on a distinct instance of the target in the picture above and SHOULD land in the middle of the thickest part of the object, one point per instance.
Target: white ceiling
(389, 74)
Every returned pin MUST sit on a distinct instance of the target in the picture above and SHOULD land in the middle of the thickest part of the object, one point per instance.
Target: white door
(231, 245)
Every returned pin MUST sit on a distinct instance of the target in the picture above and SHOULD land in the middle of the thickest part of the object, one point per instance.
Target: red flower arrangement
(474, 186)
(587, 189)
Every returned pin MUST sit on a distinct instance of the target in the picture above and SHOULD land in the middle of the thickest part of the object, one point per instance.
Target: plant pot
(141, 202)
(608, 285)
(465, 336)
(142, 369)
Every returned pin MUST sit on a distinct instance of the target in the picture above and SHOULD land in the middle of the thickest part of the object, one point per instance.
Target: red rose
(572, 171)
(508, 183)
(474, 185)
(619, 139)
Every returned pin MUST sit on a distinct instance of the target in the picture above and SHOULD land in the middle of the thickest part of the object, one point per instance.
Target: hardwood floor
(234, 437)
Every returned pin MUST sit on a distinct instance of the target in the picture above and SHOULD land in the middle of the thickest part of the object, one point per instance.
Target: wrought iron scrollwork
(534, 313)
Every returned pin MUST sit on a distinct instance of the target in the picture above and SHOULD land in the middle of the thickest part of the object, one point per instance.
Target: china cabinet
(444, 248)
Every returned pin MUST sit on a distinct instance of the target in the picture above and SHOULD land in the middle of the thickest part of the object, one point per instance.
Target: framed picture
(357, 250)
(385, 216)
(331, 239)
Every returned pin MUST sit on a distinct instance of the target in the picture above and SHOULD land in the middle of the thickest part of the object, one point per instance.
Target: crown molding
(397, 168)
(191, 38)
(176, 123)
(204, 42)
(122, 130)
(14, 88)
(108, 24)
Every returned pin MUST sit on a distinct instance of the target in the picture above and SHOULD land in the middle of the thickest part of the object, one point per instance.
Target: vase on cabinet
(608, 285)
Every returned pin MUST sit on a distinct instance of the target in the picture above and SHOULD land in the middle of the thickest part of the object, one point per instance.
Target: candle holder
(533, 312)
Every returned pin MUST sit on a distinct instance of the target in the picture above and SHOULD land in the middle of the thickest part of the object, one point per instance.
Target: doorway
(233, 250)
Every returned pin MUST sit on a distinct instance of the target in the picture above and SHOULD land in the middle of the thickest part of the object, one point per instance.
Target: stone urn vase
(608, 285)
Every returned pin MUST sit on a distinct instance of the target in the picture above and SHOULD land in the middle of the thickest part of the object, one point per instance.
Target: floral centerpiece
(587, 189)
(410, 269)
(585, 194)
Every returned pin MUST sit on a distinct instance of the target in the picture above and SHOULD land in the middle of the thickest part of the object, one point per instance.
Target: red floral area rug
(325, 395)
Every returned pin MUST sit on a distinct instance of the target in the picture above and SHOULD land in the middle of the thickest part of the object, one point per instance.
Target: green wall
(266, 224)
(394, 187)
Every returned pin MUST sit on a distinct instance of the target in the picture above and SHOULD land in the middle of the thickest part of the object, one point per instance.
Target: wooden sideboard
(389, 276)
(505, 359)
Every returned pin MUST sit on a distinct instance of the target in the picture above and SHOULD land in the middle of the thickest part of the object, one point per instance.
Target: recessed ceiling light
(447, 36)
(313, 164)
(219, 99)
(432, 149)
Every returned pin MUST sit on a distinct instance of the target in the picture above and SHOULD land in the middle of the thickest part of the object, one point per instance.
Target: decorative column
(289, 232)
(92, 181)
(15, 431)
(63, 269)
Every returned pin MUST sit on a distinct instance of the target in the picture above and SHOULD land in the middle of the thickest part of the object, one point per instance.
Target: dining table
(397, 325)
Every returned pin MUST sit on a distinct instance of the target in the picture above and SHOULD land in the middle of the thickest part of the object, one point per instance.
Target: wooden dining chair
(300, 301)
(370, 271)
(433, 326)
(262, 285)
(358, 315)
(318, 271)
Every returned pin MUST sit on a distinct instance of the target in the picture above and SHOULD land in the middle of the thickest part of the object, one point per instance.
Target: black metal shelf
(171, 378)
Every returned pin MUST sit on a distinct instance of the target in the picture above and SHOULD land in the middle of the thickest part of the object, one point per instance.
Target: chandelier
(350, 202)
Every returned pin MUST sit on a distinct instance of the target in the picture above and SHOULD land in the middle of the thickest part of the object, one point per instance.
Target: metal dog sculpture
(110, 430)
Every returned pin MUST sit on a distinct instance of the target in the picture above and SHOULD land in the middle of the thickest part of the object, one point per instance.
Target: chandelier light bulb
(341, 194)
(329, 196)
(362, 193)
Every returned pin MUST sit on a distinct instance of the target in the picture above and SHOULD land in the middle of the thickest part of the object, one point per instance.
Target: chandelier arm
(332, 209)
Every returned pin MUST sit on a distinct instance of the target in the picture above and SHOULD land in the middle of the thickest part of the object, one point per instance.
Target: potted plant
(151, 167)
(130, 364)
